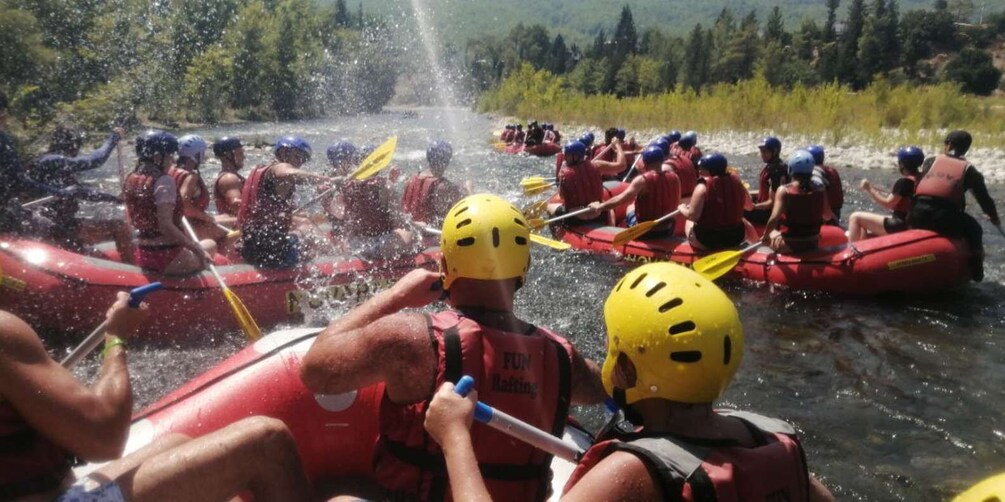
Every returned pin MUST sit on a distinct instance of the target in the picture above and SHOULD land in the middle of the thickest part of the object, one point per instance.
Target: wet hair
(959, 141)
(805, 181)
(66, 140)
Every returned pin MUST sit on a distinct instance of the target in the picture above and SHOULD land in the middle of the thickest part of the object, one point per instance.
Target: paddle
(37, 202)
(540, 223)
(534, 189)
(244, 319)
(536, 239)
(519, 429)
(535, 210)
(716, 265)
(94, 339)
(632, 169)
(537, 180)
(632, 233)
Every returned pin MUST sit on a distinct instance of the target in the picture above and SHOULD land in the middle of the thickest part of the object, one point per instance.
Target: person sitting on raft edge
(154, 210)
(940, 201)
(827, 177)
(580, 179)
(715, 212)
(655, 193)
(193, 193)
(363, 211)
(528, 371)
(773, 175)
(862, 224)
(59, 168)
(268, 238)
(48, 418)
(801, 206)
(229, 183)
(674, 343)
(429, 194)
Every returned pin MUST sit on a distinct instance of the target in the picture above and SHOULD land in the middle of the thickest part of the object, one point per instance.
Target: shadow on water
(896, 398)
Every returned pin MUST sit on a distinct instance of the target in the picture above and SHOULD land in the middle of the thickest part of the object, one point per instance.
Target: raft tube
(335, 433)
(64, 292)
(914, 261)
(546, 149)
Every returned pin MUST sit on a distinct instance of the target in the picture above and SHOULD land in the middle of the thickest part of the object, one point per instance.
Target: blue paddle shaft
(136, 295)
(94, 339)
(483, 412)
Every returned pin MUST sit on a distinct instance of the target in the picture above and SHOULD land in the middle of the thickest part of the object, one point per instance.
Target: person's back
(265, 217)
(800, 206)
(229, 183)
(579, 181)
(530, 372)
(661, 197)
(686, 172)
(429, 193)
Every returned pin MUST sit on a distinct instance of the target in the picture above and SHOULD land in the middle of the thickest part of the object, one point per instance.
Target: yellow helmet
(991, 489)
(484, 237)
(680, 331)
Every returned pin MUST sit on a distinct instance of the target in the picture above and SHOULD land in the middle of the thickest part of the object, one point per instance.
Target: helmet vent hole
(620, 283)
(686, 356)
(520, 222)
(467, 241)
(676, 302)
(521, 241)
(637, 281)
(682, 327)
(653, 290)
(727, 350)
(461, 210)
(464, 223)
(495, 236)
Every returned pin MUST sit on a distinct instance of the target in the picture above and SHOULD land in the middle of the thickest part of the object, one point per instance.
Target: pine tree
(342, 14)
(558, 56)
(892, 52)
(774, 28)
(626, 38)
(870, 45)
(695, 58)
(848, 63)
(599, 49)
(830, 33)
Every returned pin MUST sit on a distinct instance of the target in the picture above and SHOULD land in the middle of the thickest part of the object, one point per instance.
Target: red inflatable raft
(335, 434)
(57, 290)
(915, 261)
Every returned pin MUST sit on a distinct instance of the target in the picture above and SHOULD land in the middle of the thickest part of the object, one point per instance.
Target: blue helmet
(688, 139)
(664, 144)
(226, 144)
(367, 150)
(152, 142)
(653, 154)
(673, 136)
(801, 162)
(714, 163)
(574, 148)
(343, 152)
(296, 143)
(439, 152)
(911, 156)
(817, 152)
(771, 143)
(587, 139)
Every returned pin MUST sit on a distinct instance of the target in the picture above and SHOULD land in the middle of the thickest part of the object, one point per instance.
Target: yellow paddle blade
(716, 265)
(553, 244)
(535, 210)
(536, 180)
(630, 234)
(536, 223)
(539, 189)
(376, 161)
(244, 319)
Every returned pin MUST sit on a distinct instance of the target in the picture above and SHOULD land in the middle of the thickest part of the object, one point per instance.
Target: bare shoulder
(619, 476)
(400, 334)
(19, 345)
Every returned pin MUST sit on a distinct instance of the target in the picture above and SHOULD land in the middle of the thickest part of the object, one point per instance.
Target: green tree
(340, 15)
(207, 85)
(774, 28)
(829, 31)
(626, 39)
(558, 60)
(848, 64)
(695, 59)
(974, 70)
(870, 44)
(246, 41)
(23, 53)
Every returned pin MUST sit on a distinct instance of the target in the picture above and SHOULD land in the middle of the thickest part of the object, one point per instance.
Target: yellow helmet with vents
(484, 237)
(681, 332)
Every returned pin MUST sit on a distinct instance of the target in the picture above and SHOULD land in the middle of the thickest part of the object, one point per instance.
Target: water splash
(431, 45)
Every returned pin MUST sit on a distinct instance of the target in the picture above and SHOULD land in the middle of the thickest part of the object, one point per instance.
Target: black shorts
(893, 224)
(714, 239)
(757, 216)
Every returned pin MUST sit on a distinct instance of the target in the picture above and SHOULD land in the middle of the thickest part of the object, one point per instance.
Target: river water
(895, 398)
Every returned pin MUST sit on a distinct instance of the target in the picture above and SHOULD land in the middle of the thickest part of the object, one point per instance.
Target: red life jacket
(835, 192)
(525, 375)
(559, 160)
(693, 153)
(29, 463)
(687, 173)
(685, 470)
(222, 205)
(580, 185)
(549, 136)
(607, 156)
(724, 200)
(421, 192)
(263, 211)
(519, 137)
(944, 180)
(367, 208)
(906, 202)
(765, 185)
(140, 207)
(180, 175)
(507, 135)
(804, 211)
(662, 196)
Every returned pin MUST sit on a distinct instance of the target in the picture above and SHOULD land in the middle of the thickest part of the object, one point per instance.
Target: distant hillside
(580, 20)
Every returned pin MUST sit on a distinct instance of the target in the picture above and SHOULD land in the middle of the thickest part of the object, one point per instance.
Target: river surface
(895, 398)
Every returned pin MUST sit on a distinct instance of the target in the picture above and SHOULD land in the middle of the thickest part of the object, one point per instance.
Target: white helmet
(192, 146)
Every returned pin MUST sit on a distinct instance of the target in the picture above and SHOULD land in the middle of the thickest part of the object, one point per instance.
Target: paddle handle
(94, 339)
(666, 217)
(519, 429)
(750, 248)
(34, 203)
(632, 169)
